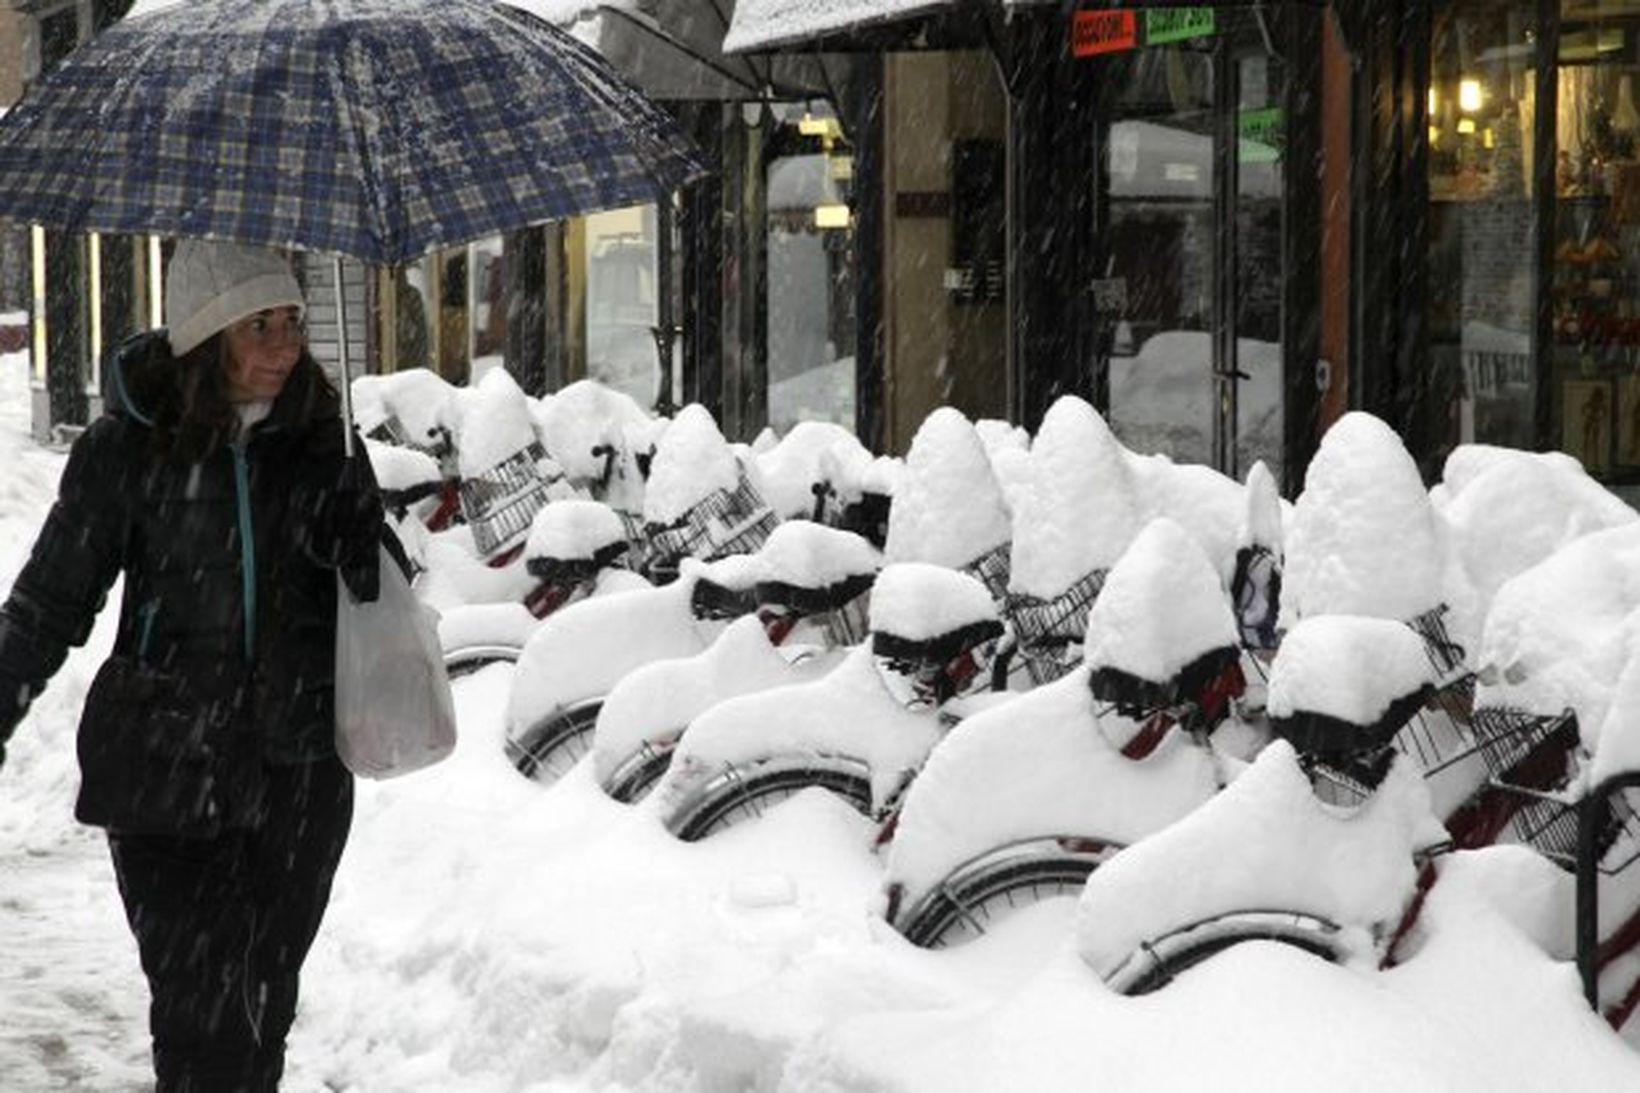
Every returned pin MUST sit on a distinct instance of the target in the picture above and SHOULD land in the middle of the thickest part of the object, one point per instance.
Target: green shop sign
(1163, 25)
(1261, 135)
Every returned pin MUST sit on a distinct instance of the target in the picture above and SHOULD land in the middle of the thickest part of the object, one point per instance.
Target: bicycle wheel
(547, 749)
(470, 658)
(637, 774)
(743, 791)
(983, 890)
(1157, 962)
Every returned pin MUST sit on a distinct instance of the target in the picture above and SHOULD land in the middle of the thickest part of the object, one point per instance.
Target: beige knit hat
(210, 285)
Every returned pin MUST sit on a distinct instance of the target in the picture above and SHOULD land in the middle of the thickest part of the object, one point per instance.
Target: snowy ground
(489, 935)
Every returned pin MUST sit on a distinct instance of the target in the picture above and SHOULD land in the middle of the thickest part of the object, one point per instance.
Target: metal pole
(341, 360)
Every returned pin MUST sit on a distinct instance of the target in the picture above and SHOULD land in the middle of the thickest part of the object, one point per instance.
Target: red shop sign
(1107, 31)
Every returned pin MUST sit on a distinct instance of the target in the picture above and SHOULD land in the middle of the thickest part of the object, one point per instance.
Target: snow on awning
(764, 24)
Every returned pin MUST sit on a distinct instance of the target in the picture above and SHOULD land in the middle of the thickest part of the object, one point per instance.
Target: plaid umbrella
(377, 129)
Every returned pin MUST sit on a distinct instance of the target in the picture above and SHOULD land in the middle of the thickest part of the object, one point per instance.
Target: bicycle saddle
(1196, 683)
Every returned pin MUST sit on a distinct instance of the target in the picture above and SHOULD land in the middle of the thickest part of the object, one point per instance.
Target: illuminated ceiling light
(1469, 96)
(1466, 125)
(1434, 102)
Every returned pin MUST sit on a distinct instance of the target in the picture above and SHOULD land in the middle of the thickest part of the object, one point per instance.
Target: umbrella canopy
(376, 129)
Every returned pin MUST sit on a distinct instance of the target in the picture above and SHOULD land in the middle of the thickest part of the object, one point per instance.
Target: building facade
(1223, 225)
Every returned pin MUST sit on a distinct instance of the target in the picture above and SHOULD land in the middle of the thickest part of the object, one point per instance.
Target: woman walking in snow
(216, 484)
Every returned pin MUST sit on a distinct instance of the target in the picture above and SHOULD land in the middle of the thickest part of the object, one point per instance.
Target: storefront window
(1260, 160)
(1595, 286)
(486, 303)
(810, 294)
(1482, 108)
(1191, 286)
(412, 331)
(621, 299)
(1157, 289)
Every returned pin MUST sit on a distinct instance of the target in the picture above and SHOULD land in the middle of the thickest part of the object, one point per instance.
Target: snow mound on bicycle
(1081, 508)
(916, 601)
(1364, 539)
(846, 713)
(692, 462)
(1560, 634)
(948, 507)
(1347, 667)
(1039, 766)
(1131, 629)
(1351, 867)
(661, 697)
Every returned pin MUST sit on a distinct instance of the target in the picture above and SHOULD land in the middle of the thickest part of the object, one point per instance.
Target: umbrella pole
(341, 360)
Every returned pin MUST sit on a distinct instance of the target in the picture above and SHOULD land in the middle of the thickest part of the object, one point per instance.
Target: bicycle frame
(1592, 955)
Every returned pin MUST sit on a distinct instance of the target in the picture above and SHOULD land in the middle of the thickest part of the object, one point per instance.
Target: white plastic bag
(394, 713)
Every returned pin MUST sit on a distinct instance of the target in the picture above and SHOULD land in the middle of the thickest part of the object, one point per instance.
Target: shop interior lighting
(1434, 102)
(831, 217)
(811, 126)
(1466, 125)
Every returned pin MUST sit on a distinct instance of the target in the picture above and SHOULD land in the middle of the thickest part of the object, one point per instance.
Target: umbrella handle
(341, 359)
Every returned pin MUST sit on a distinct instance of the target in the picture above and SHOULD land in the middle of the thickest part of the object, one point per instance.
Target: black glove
(348, 527)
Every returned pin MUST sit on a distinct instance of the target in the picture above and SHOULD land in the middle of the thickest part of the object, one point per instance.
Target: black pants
(223, 925)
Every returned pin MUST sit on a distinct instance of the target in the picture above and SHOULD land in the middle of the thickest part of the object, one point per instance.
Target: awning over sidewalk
(759, 25)
(674, 51)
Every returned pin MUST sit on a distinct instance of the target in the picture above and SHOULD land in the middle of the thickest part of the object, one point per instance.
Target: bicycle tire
(638, 773)
(743, 790)
(548, 748)
(984, 889)
(1157, 963)
(469, 659)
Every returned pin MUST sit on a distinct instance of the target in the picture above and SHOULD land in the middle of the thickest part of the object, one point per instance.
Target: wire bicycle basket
(1051, 632)
(1439, 743)
(1444, 653)
(500, 503)
(1530, 756)
(437, 442)
(992, 569)
(724, 522)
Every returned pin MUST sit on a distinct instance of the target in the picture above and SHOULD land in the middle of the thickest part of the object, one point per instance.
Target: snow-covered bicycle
(862, 731)
(1021, 803)
(811, 594)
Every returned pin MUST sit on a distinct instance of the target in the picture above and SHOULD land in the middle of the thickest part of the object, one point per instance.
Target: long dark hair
(186, 398)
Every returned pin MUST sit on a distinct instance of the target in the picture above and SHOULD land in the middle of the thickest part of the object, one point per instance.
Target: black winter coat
(224, 659)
